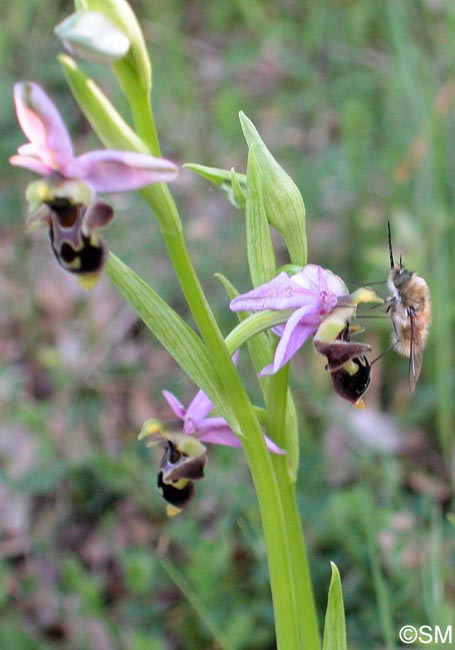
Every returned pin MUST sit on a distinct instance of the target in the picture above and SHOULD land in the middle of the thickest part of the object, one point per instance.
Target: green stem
(145, 123)
(276, 400)
(141, 107)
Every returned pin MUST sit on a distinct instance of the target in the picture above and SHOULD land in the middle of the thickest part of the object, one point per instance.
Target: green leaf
(335, 625)
(292, 438)
(231, 183)
(238, 191)
(282, 199)
(214, 174)
(261, 256)
(170, 329)
(383, 593)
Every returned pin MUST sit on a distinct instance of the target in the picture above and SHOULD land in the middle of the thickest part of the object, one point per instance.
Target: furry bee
(409, 308)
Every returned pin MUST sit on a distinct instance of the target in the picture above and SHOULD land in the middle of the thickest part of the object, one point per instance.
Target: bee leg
(390, 347)
(397, 338)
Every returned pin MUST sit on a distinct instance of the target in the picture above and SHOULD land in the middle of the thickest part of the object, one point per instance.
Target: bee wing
(415, 356)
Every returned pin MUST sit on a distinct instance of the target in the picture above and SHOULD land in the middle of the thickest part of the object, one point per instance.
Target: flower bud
(93, 37)
(122, 16)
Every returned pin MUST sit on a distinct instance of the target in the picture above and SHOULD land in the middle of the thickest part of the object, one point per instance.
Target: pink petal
(175, 405)
(319, 280)
(109, 170)
(217, 432)
(335, 284)
(309, 277)
(280, 293)
(271, 446)
(33, 164)
(42, 124)
(28, 149)
(98, 215)
(300, 325)
(198, 408)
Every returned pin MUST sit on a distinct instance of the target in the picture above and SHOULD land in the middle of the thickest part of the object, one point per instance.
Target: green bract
(261, 256)
(282, 199)
(104, 119)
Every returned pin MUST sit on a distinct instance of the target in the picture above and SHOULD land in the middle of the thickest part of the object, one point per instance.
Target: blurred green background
(356, 100)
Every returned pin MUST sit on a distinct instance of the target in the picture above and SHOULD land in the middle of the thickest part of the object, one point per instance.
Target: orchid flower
(65, 199)
(184, 452)
(346, 359)
(213, 430)
(311, 293)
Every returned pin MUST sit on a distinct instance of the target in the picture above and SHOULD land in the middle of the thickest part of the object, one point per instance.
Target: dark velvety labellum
(341, 350)
(67, 212)
(176, 465)
(178, 497)
(91, 258)
(352, 387)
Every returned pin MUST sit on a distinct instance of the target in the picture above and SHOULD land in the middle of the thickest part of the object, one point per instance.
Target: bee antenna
(401, 262)
(392, 263)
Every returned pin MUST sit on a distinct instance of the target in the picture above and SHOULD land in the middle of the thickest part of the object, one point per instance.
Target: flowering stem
(279, 551)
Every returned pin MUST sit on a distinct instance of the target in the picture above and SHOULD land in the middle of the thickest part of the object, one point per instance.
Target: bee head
(398, 274)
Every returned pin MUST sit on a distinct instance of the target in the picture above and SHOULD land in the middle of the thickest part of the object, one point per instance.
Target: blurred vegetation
(356, 99)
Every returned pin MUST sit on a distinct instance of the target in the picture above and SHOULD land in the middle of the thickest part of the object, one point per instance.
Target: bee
(409, 309)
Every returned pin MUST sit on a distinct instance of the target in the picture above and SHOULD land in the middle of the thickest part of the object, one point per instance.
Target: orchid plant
(283, 310)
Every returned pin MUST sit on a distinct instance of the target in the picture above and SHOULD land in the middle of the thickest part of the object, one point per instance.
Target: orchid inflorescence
(316, 301)
(276, 317)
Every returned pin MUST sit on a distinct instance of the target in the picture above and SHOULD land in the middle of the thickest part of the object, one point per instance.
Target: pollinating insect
(409, 308)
